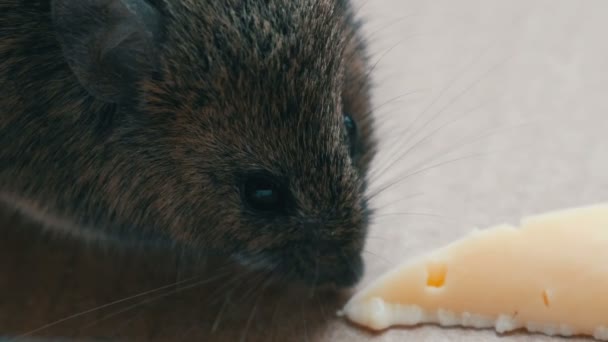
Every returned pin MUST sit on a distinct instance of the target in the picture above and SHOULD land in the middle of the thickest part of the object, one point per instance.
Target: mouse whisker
(444, 152)
(355, 34)
(260, 280)
(218, 318)
(450, 220)
(250, 293)
(420, 171)
(275, 313)
(250, 319)
(380, 206)
(458, 95)
(229, 286)
(374, 237)
(104, 306)
(124, 324)
(358, 9)
(371, 35)
(407, 151)
(462, 143)
(441, 93)
(156, 298)
(248, 323)
(405, 213)
(388, 51)
(321, 308)
(378, 256)
(315, 279)
(260, 288)
(228, 289)
(304, 321)
(394, 99)
(183, 335)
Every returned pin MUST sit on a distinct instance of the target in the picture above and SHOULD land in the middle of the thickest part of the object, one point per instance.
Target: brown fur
(228, 86)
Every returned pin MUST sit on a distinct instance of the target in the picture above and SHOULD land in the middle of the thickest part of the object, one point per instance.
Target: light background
(515, 91)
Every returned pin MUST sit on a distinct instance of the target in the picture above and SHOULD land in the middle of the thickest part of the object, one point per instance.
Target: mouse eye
(262, 193)
(351, 130)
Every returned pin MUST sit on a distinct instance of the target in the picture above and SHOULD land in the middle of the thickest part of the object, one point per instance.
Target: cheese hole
(546, 298)
(436, 273)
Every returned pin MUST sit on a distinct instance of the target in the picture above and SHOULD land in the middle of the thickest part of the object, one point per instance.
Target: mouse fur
(138, 121)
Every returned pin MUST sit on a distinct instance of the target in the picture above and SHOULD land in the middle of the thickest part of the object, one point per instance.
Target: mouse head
(243, 126)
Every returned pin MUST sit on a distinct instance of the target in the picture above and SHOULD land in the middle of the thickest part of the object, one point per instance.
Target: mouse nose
(344, 272)
(263, 193)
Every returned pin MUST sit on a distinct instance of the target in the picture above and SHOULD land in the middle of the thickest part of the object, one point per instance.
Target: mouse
(240, 128)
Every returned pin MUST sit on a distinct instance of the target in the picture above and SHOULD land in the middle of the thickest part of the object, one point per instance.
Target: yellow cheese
(549, 276)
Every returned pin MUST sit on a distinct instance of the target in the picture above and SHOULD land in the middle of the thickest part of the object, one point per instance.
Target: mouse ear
(109, 44)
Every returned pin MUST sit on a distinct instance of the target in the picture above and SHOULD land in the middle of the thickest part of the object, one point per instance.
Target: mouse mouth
(305, 266)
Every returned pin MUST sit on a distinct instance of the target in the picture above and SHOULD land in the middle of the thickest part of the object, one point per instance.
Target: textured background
(515, 91)
(490, 110)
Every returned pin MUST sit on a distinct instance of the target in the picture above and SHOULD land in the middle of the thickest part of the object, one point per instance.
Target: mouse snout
(325, 263)
(346, 273)
(329, 252)
(309, 229)
(342, 267)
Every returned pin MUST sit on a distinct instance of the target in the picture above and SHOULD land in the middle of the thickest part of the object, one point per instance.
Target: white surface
(536, 73)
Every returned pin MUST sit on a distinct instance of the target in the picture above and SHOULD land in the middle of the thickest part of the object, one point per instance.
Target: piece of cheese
(550, 276)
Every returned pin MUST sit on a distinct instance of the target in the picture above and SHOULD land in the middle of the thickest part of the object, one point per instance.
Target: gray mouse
(237, 127)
